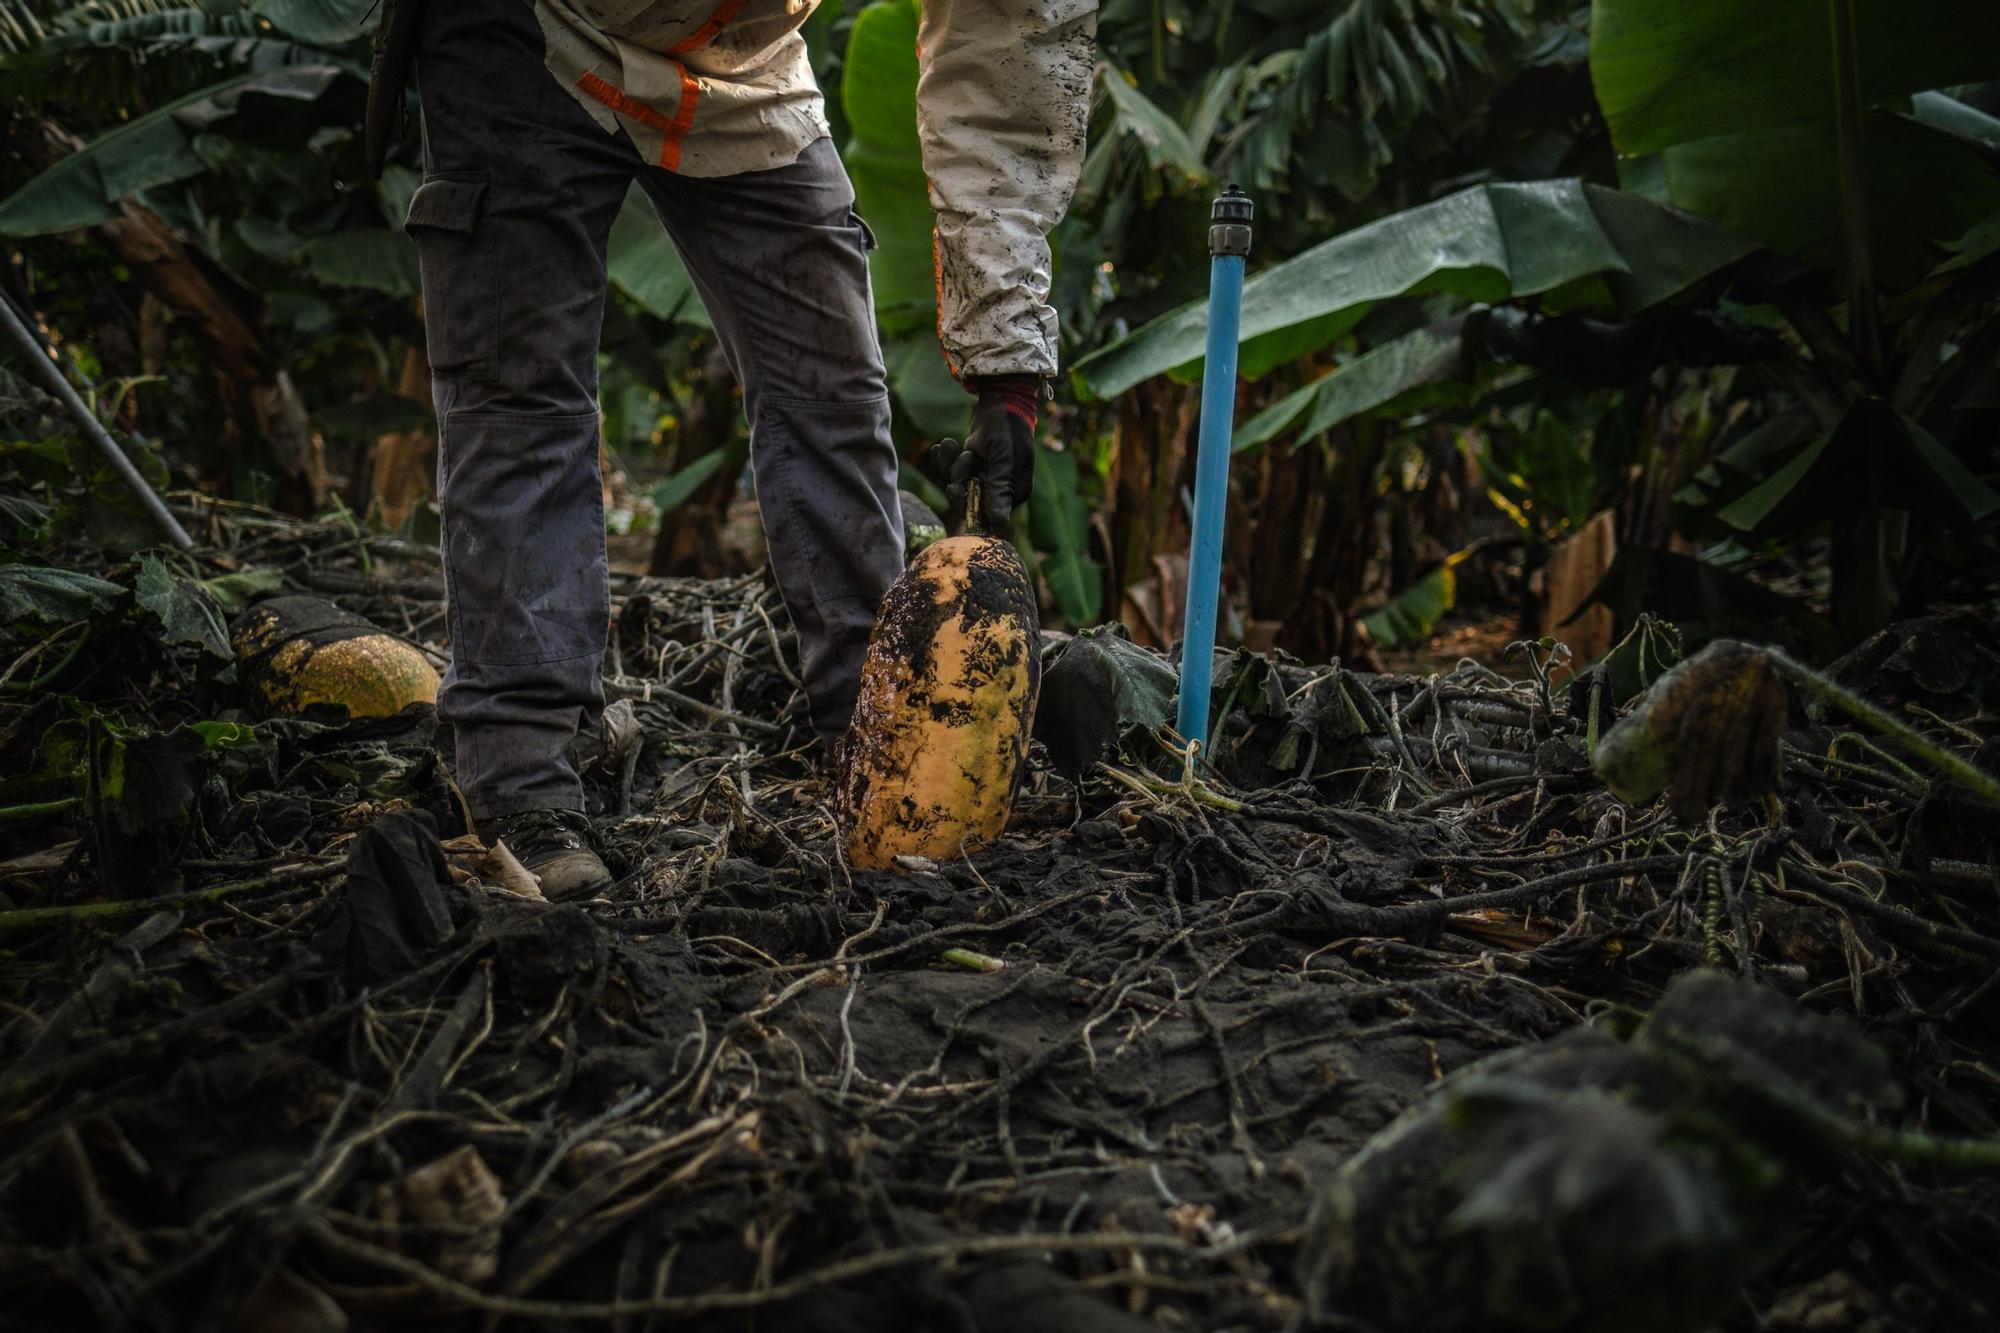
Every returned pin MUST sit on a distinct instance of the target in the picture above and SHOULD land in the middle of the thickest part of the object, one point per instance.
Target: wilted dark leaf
(1942, 654)
(183, 612)
(150, 779)
(38, 461)
(35, 600)
(1707, 731)
(1803, 1064)
(105, 510)
(396, 874)
(1595, 1186)
(921, 525)
(22, 520)
(233, 592)
(1097, 689)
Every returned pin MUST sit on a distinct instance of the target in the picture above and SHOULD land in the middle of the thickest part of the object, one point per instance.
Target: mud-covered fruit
(296, 652)
(947, 703)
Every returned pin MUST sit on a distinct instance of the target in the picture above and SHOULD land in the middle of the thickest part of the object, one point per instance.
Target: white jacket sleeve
(1003, 108)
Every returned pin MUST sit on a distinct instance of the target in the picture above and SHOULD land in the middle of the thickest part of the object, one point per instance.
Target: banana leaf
(878, 91)
(374, 258)
(1672, 71)
(1415, 370)
(1059, 526)
(320, 22)
(1570, 242)
(153, 150)
(1415, 612)
(644, 264)
(1875, 455)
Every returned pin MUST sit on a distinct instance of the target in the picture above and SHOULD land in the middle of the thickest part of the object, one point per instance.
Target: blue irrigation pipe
(1228, 248)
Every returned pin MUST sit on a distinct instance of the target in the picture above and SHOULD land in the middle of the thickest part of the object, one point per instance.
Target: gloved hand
(999, 450)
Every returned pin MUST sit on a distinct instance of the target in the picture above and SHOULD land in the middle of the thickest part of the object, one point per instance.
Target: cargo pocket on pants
(868, 241)
(461, 275)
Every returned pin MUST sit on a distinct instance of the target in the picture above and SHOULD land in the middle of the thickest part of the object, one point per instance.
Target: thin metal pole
(1228, 247)
(37, 355)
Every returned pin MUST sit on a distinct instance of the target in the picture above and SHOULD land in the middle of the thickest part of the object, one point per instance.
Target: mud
(754, 1088)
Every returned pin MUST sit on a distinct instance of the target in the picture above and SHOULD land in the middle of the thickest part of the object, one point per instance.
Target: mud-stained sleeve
(1003, 106)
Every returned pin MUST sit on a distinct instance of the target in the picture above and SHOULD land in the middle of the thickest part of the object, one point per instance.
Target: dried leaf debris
(273, 1057)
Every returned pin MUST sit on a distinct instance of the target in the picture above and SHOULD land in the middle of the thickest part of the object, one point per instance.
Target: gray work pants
(520, 189)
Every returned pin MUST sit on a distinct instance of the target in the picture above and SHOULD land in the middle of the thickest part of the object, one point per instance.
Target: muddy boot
(555, 846)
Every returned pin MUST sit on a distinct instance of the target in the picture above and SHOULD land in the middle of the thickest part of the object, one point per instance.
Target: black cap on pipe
(1229, 219)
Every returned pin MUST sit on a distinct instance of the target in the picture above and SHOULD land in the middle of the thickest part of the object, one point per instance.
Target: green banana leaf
(229, 40)
(643, 264)
(1423, 368)
(1781, 187)
(878, 91)
(923, 386)
(673, 491)
(1671, 71)
(320, 22)
(1415, 612)
(1874, 454)
(374, 258)
(1137, 119)
(155, 149)
(1570, 242)
(1059, 527)
(1542, 473)
(1738, 102)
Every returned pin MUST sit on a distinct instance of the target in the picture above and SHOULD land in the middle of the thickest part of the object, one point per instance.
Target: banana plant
(1824, 130)
(1572, 245)
(1603, 285)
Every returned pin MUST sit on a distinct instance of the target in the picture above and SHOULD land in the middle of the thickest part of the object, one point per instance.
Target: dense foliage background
(1722, 281)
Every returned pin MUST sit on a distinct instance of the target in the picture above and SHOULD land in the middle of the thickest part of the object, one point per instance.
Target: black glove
(999, 451)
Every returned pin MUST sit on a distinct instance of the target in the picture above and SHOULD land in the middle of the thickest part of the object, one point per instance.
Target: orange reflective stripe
(706, 33)
(937, 276)
(937, 263)
(677, 128)
(622, 103)
(672, 130)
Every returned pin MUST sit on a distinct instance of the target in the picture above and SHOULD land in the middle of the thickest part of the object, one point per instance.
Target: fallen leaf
(1501, 928)
(37, 863)
(499, 870)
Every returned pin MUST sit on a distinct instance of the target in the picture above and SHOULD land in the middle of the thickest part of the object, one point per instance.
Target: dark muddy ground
(1091, 1080)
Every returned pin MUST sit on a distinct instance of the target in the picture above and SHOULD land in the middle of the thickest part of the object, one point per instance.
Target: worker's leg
(781, 262)
(520, 188)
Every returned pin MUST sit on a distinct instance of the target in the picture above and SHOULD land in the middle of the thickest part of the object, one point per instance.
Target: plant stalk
(1941, 760)
(41, 809)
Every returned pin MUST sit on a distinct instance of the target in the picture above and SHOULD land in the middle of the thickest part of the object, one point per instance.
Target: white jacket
(718, 87)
